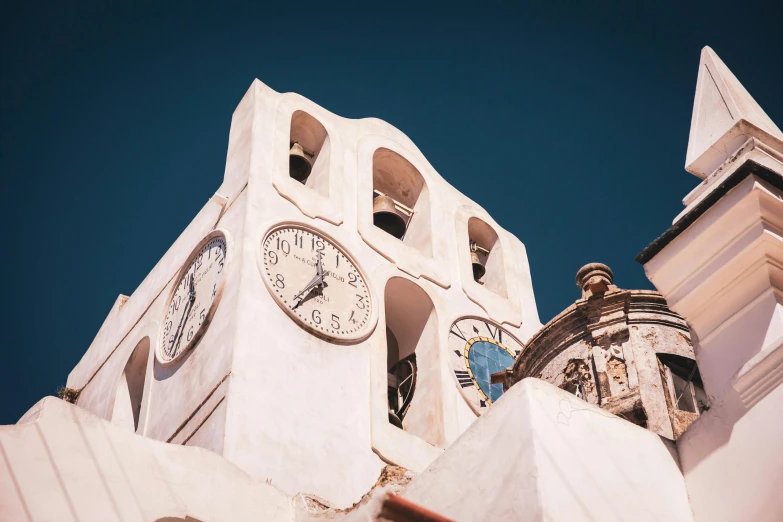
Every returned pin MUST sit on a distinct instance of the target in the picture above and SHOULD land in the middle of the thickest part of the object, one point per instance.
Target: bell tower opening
(486, 257)
(412, 361)
(309, 152)
(401, 203)
(401, 375)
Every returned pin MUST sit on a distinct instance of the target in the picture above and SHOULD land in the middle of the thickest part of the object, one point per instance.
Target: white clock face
(317, 283)
(194, 299)
(477, 349)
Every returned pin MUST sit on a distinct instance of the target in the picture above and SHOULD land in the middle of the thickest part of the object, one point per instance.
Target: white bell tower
(276, 391)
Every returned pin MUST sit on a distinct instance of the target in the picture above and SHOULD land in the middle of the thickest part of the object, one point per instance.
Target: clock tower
(336, 306)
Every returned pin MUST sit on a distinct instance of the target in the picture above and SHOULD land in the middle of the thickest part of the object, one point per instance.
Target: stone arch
(313, 137)
(490, 253)
(412, 331)
(129, 393)
(397, 178)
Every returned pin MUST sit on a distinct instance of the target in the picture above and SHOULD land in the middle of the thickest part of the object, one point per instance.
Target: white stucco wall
(542, 454)
(66, 464)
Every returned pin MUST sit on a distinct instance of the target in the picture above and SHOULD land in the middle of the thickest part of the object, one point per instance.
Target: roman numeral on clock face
(464, 378)
(457, 332)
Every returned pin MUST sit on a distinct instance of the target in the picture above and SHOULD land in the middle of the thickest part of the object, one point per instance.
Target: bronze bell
(478, 268)
(386, 216)
(393, 419)
(299, 165)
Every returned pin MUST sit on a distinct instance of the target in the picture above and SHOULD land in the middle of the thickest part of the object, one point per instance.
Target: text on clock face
(316, 282)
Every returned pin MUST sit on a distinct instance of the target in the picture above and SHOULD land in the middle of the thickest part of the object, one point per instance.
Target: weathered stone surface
(605, 349)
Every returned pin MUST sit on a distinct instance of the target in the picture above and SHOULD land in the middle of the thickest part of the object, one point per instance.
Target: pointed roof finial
(725, 115)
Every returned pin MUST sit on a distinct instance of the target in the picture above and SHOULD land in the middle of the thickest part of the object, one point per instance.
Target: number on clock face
(191, 304)
(317, 283)
(478, 349)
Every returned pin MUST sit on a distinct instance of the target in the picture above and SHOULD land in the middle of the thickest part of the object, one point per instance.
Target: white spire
(725, 115)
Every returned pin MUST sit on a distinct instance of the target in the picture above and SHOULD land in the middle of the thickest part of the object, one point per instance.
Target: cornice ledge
(749, 168)
(760, 375)
(762, 247)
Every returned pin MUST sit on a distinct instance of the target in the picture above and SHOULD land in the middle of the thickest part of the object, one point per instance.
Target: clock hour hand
(314, 291)
(315, 281)
(177, 336)
(185, 312)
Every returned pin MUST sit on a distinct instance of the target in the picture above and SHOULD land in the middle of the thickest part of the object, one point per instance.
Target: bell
(478, 268)
(299, 166)
(386, 217)
(394, 419)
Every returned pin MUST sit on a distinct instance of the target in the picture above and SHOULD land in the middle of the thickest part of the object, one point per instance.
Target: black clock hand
(176, 337)
(185, 312)
(314, 292)
(315, 281)
(319, 267)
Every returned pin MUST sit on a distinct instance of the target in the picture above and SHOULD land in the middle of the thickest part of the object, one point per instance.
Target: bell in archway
(478, 267)
(393, 419)
(299, 165)
(386, 216)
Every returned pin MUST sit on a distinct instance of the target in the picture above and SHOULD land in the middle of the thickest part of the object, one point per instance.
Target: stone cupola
(623, 350)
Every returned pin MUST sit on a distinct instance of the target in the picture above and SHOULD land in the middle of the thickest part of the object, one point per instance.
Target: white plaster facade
(285, 406)
(262, 420)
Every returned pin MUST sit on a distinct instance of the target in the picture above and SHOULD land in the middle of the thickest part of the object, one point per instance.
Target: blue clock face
(479, 349)
(485, 357)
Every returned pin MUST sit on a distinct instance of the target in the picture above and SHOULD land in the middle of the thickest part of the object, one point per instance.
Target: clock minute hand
(185, 312)
(177, 335)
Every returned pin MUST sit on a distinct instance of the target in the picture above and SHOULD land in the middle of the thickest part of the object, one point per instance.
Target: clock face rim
(469, 343)
(212, 307)
(372, 321)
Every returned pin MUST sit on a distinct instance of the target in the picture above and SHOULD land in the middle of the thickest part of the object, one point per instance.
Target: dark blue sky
(114, 125)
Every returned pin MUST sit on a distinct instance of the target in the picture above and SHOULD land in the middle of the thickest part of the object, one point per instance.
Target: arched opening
(401, 203)
(130, 388)
(412, 361)
(486, 257)
(680, 375)
(401, 377)
(309, 152)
